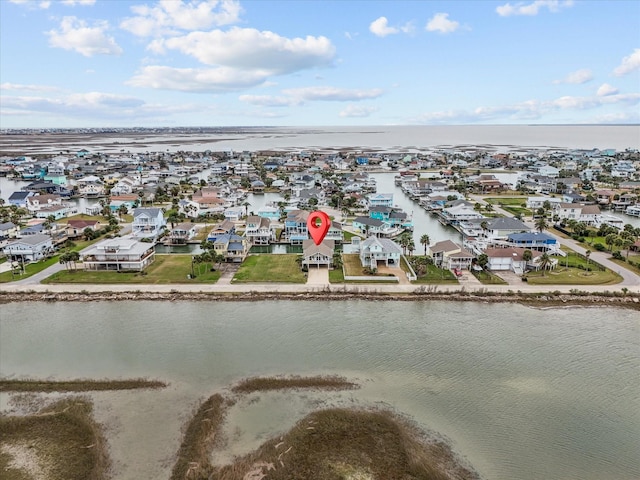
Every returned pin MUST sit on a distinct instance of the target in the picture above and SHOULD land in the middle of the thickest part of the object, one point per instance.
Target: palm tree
(246, 206)
(424, 241)
(541, 224)
(122, 210)
(545, 262)
(587, 254)
(527, 255)
(411, 247)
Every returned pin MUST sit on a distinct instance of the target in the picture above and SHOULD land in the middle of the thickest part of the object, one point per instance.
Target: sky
(170, 63)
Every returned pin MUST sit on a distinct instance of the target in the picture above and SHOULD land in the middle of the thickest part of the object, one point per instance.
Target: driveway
(318, 276)
(396, 271)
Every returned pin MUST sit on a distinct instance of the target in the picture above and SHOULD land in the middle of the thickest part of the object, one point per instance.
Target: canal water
(520, 393)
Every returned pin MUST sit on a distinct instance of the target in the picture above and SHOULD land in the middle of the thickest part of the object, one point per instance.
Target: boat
(633, 210)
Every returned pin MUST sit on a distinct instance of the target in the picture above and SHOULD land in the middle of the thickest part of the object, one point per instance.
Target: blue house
(394, 216)
(533, 241)
(295, 226)
(19, 199)
(362, 161)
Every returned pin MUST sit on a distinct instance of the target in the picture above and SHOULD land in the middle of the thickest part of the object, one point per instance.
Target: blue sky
(95, 63)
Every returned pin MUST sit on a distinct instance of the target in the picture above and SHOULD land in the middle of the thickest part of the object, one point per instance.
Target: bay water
(520, 393)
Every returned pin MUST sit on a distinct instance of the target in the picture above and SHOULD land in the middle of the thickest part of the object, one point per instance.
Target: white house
(120, 254)
(374, 251)
(30, 248)
(258, 230)
(147, 222)
(91, 186)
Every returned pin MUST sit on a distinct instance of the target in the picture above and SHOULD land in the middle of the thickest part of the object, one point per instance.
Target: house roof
(444, 246)
(35, 239)
(387, 245)
(150, 212)
(372, 222)
(20, 195)
(82, 223)
(510, 252)
(507, 223)
(7, 225)
(529, 237)
(309, 248)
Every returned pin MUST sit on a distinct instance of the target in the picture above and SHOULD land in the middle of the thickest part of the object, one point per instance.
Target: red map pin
(318, 224)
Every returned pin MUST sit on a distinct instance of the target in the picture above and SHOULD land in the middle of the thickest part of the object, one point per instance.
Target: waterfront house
(8, 230)
(148, 222)
(130, 201)
(509, 259)
(335, 232)
(534, 241)
(233, 247)
(258, 230)
(372, 226)
(295, 226)
(120, 254)
(226, 227)
(317, 255)
(272, 213)
(181, 233)
(448, 254)
(375, 251)
(30, 248)
(19, 199)
(459, 210)
(604, 197)
(36, 203)
(76, 228)
(380, 200)
(91, 186)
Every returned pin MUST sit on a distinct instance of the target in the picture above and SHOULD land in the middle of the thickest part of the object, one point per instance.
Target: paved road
(629, 278)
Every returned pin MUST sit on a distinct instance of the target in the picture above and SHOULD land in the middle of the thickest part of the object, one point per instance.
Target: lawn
(573, 276)
(434, 275)
(488, 278)
(166, 269)
(507, 201)
(348, 236)
(352, 265)
(336, 276)
(30, 269)
(270, 268)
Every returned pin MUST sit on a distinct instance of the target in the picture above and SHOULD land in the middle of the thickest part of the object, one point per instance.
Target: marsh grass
(44, 386)
(347, 443)
(64, 438)
(261, 384)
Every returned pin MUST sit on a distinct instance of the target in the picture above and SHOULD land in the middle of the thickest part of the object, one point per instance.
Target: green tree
(424, 241)
(545, 262)
(541, 224)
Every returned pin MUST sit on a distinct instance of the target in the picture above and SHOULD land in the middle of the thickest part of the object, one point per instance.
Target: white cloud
(95, 106)
(333, 94)
(527, 110)
(629, 64)
(27, 88)
(250, 49)
(75, 34)
(199, 80)
(440, 23)
(171, 16)
(73, 3)
(578, 77)
(606, 89)
(42, 4)
(357, 111)
(269, 101)
(532, 8)
(380, 27)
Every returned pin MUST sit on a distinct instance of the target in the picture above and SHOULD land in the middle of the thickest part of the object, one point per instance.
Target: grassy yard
(166, 269)
(573, 276)
(488, 278)
(336, 276)
(352, 265)
(436, 275)
(348, 236)
(507, 201)
(270, 268)
(30, 269)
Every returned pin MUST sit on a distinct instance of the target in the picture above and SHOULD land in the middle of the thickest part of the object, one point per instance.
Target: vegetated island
(81, 385)
(622, 298)
(324, 445)
(62, 441)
